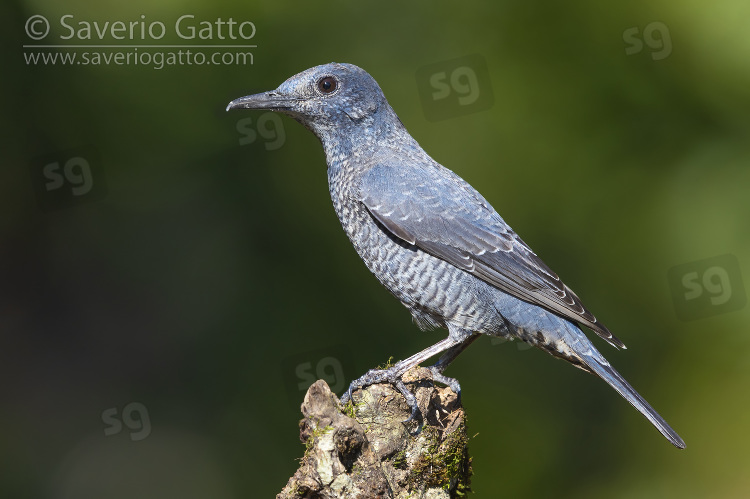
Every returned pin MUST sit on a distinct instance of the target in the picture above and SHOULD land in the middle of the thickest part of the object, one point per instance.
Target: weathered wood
(364, 450)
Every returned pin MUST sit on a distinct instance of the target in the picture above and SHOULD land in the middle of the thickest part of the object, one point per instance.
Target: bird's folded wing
(435, 210)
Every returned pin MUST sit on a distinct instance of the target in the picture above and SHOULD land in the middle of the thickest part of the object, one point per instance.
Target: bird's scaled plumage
(431, 239)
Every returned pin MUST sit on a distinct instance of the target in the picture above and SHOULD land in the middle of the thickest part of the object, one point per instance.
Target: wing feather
(434, 209)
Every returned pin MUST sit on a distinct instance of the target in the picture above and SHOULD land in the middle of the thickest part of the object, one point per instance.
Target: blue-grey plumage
(431, 239)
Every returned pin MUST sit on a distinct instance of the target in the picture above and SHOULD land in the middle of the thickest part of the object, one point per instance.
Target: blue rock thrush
(432, 240)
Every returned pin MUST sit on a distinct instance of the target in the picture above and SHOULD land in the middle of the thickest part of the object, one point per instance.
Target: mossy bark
(364, 450)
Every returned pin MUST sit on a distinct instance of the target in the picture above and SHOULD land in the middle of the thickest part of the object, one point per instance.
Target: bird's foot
(392, 376)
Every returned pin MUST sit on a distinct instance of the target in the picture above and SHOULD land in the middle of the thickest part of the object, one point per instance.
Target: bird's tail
(599, 366)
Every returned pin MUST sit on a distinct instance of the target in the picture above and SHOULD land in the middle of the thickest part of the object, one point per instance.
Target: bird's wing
(434, 209)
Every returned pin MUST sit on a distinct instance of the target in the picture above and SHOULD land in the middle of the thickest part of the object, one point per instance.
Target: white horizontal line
(136, 46)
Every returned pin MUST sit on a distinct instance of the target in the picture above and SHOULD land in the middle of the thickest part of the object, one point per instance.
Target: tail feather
(601, 368)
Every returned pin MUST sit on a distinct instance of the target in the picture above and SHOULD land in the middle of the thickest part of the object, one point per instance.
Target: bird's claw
(411, 401)
(452, 383)
(347, 395)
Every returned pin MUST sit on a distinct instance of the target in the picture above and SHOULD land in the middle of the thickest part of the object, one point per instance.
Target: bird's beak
(267, 100)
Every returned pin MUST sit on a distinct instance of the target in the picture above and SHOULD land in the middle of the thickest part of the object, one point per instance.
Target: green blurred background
(156, 337)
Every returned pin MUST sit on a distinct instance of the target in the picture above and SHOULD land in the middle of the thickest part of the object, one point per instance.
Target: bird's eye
(327, 84)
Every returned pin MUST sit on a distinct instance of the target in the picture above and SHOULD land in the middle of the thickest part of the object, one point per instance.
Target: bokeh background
(168, 296)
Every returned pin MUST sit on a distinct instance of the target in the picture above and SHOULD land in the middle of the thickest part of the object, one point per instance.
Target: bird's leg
(448, 357)
(393, 374)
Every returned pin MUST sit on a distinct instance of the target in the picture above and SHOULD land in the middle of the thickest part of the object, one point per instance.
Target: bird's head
(326, 99)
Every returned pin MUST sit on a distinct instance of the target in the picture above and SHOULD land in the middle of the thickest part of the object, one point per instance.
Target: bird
(433, 240)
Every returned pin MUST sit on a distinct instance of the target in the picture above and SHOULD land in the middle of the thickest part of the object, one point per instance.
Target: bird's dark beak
(266, 100)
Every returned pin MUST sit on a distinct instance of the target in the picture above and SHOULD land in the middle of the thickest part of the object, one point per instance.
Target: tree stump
(364, 450)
